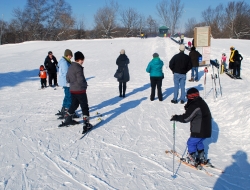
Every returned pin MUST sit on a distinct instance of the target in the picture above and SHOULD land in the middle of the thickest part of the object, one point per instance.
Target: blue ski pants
(195, 144)
(67, 98)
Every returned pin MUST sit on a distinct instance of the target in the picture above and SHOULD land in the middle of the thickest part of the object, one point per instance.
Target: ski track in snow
(127, 149)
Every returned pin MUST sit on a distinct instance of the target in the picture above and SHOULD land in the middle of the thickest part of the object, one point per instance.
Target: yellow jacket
(231, 56)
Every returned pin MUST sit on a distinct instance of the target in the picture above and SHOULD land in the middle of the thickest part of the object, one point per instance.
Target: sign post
(202, 39)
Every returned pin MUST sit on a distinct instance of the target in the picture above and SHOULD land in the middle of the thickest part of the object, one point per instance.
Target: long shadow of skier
(169, 91)
(236, 176)
(120, 110)
(116, 99)
(14, 78)
(213, 139)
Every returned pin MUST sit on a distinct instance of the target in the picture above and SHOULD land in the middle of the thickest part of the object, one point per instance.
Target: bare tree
(36, 16)
(64, 24)
(215, 19)
(152, 26)
(163, 12)
(80, 27)
(54, 15)
(170, 13)
(189, 27)
(19, 25)
(130, 19)
(237, 19)
(175, 12)
(105, 18)
(141, 23)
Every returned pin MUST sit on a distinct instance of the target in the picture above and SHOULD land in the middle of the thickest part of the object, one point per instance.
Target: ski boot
(191, 159)
(60, 112)
(201, 157)
(68, 120)
(86, 125)
(63, 113)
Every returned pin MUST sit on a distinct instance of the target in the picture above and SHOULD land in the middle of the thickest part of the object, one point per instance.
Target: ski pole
(173, 147)
(205, 71)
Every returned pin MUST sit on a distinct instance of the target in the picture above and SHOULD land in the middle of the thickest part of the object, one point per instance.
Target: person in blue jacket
(156, 75)
(63, 65)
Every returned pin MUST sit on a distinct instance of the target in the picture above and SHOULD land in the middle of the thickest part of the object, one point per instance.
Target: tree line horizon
(37, 21)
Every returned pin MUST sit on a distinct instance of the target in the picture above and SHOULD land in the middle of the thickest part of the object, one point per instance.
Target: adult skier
(198, 114)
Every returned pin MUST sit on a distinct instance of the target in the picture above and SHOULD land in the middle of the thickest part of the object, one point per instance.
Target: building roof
(163, 27)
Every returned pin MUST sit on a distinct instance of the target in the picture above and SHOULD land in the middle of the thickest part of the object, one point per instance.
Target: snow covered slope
(127, 149)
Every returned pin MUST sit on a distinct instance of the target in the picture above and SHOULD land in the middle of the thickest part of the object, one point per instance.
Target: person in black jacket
(50, 64)
(122, 62)
(180, 64)
(194, 55)
(237, 62)
(198, 114)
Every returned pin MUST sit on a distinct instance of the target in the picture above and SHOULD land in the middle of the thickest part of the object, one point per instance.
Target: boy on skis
(78, 86)
(198, 114)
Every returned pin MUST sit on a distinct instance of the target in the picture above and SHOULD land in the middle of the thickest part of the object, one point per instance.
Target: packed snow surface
(127, 149)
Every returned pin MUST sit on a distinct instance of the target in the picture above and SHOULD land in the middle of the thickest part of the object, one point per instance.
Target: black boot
(68, 120)
(62, 116)
(60, 112)
(120, 89)
(86, 125)
(201, 157)
(124, 90)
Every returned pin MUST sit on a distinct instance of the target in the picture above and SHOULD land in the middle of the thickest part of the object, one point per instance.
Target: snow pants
(195, 144)
(156, 81)
(67, 98)
(79, 99)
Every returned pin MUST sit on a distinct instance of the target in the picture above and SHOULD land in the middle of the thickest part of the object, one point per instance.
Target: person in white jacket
(63, 65)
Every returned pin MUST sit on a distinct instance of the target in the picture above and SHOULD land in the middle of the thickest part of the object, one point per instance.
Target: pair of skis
(215, 76)
(200, 167)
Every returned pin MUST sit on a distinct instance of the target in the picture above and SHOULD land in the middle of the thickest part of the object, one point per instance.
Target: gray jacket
(76, 78)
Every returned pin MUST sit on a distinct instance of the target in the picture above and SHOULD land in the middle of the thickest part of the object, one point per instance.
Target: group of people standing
(71, 78)
(235, 62)
(197, 111)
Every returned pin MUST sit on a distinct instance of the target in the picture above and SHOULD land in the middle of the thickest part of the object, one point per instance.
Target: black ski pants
(237, 68)
(43, 82)
(52, 76)
(79, 99)
(156, 81)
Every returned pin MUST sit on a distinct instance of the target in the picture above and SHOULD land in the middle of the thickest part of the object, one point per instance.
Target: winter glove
(174, 118)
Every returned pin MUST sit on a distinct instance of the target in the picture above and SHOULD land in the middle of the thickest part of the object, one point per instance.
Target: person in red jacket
(43, 76)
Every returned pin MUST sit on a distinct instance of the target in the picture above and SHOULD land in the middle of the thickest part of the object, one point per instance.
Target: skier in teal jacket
(156, 75)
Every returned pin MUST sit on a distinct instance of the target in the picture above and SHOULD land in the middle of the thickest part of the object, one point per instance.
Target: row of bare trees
(230, 21)
(53, 20)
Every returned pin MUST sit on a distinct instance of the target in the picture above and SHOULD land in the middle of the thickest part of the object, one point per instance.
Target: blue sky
(87, 8)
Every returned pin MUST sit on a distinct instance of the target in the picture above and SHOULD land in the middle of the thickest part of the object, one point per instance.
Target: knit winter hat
(78, 55)
(68, 52)
(182, 47)
(155, 55)
(50, 52)
(192, 93)
(122, 51)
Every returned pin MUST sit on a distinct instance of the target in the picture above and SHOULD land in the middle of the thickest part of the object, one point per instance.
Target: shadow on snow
(12, 79)
(235, 176)
(116, 99)
(120, 110)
